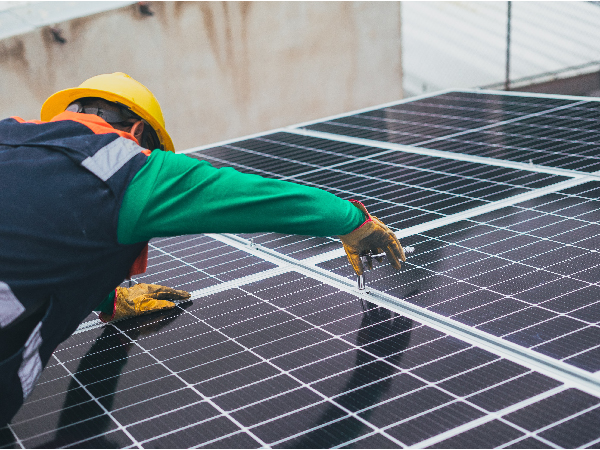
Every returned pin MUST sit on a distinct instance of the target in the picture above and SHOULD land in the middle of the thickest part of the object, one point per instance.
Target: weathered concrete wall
(219, 69)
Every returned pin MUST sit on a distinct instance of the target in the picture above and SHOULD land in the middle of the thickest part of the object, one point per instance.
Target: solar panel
(553, 132)
(489, 337)
(405, 189)
(284, 361)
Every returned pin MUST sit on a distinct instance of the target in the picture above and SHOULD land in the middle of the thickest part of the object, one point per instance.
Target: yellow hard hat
(113, 87)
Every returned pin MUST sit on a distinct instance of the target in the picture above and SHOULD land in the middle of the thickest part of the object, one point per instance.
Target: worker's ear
(137, 130)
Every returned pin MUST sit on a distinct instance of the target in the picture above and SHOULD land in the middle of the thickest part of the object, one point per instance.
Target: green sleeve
(174, 194)
(107, 304)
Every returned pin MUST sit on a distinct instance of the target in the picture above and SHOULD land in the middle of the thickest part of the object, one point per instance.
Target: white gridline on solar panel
(218, 260)
(197, 244)
(555, 128)
(399, 126)
(447, 117)
(534, 126)
(477, 166)
(500, 98)
(483, 176)
(285, 151)
(421, 208)
(591, 122)
(457, 398)
(362, 193)
(481, 100)
(473, 95)
(259, 239)
(436, 124)
(516, 149)
(388, 167)
(501, 172)
(490, 289)
(553, 157)
(372, 158)
(527, 170)
(458, 133)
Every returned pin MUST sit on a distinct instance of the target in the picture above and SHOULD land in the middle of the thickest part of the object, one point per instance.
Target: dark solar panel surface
(549, 132)
(440, 117)
(527, 273)
(287, 361)
(266, 355)
(402, 188)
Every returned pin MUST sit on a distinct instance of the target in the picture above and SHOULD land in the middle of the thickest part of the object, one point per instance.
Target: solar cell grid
(512, 273)
(438, 117)
(508, 145)
(285, 361)
(402, 188)
(263, 389)
(559, 133)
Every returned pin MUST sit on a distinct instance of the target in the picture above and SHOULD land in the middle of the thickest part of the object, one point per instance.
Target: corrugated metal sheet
(463, 44)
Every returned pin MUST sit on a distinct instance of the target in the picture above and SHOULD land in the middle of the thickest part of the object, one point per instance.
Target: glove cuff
(362, 207)
(360, 232)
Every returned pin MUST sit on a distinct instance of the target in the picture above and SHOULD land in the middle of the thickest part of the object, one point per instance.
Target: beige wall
(219, 69)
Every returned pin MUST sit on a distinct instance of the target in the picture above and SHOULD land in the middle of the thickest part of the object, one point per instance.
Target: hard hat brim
(58, 102)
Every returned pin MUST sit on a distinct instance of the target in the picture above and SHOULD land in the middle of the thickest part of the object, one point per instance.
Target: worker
(86, 187)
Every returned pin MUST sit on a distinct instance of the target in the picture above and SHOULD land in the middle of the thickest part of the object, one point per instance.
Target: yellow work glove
(371, 238)
(142, 299)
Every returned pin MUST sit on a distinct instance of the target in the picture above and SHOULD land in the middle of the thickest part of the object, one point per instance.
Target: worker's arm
(175, 194)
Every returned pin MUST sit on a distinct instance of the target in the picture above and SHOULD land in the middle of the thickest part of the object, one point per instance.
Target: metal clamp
(365, 258)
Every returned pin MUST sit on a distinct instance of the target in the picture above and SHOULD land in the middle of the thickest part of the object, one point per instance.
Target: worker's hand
(142, 299)
(372, 237)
